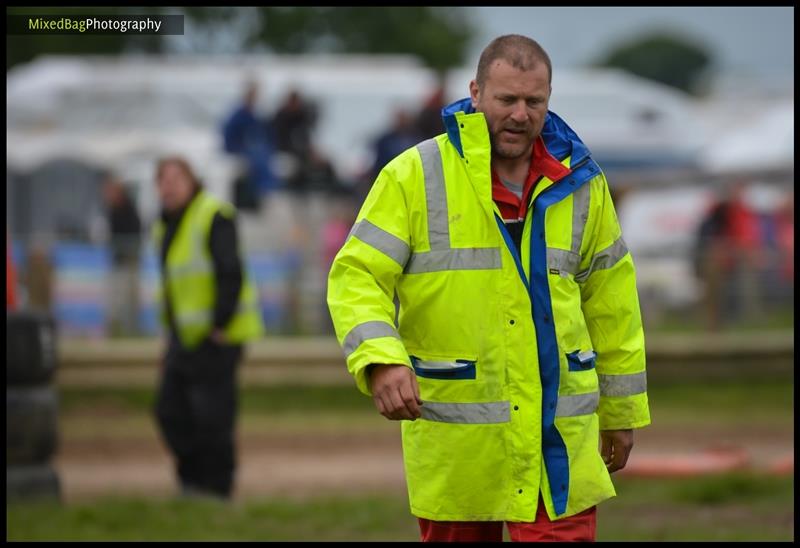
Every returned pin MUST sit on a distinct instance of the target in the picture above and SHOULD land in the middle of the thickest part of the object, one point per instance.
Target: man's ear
(474, 93)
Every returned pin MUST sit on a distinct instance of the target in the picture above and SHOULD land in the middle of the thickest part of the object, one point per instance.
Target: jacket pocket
(581, 360)
(454, 370)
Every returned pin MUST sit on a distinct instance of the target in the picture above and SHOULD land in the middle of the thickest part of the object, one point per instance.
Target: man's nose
(519, 112)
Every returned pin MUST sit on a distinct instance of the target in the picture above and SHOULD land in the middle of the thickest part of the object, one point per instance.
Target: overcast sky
(757, 41)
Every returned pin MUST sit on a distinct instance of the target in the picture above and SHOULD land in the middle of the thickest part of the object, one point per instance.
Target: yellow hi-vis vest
(520, 360)
(190, 278)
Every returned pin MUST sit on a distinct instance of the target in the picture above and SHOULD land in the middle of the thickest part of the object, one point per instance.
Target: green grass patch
(694, 321)
(119, 412)
(723, 401)
(110, 413)
(136, 424)
(331, 519)
(730, 507)
(252, 399)
(754, 402)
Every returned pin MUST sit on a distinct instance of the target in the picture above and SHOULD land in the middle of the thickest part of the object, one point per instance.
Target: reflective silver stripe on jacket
(579, 404)
(367, 330)
(435, 195)
(442, 256)
(441, 366)
(455, 259)
(580, 214)
(604, 259)
(467, 413)
(385, 242)
(562, 260)
(623, 385)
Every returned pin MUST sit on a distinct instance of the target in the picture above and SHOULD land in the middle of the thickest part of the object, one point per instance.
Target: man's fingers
(605, 449)
(621, 451)
(379, 404)
(614, 465)
(389, 407)
(410, 400)
(396, 392)
(400, 410)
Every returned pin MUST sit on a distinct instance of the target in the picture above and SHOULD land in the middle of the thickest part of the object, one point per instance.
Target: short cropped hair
(519, 51)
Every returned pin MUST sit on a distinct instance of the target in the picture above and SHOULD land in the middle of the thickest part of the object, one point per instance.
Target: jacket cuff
(383, 350)
(623, 413)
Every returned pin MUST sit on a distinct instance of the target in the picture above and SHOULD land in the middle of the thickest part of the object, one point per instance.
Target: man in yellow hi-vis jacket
(517, 364)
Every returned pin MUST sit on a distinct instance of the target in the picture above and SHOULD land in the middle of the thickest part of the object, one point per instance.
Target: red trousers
(580, 527)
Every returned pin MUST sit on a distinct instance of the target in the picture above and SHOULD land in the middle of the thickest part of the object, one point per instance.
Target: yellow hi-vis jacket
(520, 360)
(190, 278)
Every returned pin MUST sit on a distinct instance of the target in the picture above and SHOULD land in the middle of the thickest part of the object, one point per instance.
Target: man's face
(175, 187)
(514, 103)
(112, 193)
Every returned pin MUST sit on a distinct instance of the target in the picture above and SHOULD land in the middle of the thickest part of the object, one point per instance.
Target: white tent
(763, 141)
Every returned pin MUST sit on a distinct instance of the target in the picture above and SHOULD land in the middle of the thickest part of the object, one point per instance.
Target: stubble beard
(510, 152)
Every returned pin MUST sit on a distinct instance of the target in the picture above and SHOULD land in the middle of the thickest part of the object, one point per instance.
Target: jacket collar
(561, 141)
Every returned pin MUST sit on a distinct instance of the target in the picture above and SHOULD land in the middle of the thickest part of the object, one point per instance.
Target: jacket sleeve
(610, 305)
(227, 268)
(362, 279)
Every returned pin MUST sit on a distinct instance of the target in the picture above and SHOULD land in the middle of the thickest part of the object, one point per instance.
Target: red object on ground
(580, 527)
(683, 465)
(783, 466)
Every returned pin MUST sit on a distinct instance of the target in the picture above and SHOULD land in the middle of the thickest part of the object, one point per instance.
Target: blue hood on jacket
(558, 137)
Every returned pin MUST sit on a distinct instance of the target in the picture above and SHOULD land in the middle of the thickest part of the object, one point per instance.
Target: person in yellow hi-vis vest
(517, 364)
(210, 308)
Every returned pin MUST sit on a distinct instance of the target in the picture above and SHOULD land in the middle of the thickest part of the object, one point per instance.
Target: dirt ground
(304, 465)
(291, 466)
(316, 459)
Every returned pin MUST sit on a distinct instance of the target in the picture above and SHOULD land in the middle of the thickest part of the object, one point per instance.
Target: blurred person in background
(292, 126)
(39, 275)
(210, 308)
(399, 137)
(517, 366)
(784, 232)
(712, 261)
(316, 172)
(125, 228)
(428, 122)
(336, 230)
(777, 277)
(11, 278)
(247, 135)
(747, 242)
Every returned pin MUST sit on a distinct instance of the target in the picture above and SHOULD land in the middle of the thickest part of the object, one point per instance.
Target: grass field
(773, 395)
(693, 321)
(721, 508)
(756, 403)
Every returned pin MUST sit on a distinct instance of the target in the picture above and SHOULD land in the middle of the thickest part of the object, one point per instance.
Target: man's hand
(395, 391)
(217, 336)
(616, 447)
